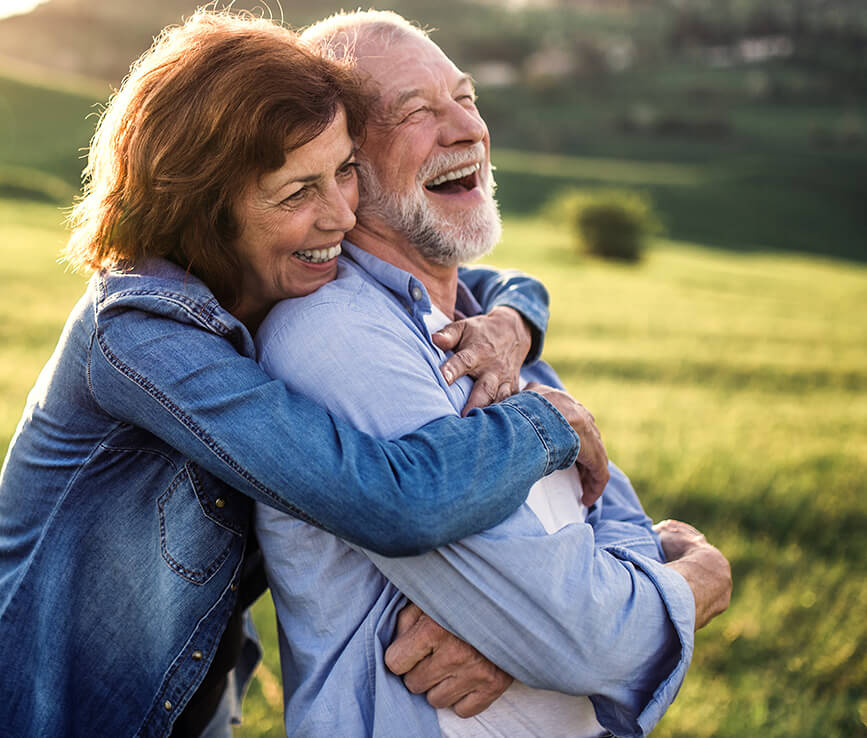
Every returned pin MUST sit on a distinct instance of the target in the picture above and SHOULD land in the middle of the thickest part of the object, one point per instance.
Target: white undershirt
(522, 711)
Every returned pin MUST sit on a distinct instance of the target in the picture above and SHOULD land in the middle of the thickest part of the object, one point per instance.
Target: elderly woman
(221, 179)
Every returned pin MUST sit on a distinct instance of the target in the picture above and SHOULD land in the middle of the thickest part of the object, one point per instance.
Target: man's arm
(554, 611)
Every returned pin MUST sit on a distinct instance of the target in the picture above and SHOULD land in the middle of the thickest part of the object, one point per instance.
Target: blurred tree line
(538, 41)
(768, 98)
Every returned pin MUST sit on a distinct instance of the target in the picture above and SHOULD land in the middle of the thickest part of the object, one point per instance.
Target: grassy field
(730, 384)
(731, 387)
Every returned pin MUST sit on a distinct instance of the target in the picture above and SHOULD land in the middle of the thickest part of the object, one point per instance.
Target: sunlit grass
(733, 390)
(730, 387)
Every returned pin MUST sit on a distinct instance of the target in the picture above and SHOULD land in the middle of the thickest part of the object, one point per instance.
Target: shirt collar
(405, 285)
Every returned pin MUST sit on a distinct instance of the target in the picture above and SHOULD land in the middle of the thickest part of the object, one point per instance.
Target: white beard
(440, 240)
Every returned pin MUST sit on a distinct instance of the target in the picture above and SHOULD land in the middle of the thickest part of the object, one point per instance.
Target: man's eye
(413, 113)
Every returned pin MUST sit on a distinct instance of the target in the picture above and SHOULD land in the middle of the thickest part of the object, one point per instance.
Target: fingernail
(448, 375)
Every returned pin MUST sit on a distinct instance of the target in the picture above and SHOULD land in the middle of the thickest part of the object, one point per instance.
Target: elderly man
(576, 604)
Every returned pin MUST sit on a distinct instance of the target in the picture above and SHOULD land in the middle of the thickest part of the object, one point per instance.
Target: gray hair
(341, 35)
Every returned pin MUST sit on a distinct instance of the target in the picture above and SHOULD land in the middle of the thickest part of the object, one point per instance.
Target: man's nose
(461, 125)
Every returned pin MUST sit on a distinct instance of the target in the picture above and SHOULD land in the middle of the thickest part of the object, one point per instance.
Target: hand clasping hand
(592, 457)
(432, 660)
(490, 348)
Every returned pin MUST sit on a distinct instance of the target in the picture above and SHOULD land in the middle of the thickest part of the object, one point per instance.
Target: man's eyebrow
(407, 95)
(466, 79)
(403, 98)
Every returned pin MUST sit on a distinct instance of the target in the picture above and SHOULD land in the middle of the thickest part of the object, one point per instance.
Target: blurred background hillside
(758, 108)
(727, 369)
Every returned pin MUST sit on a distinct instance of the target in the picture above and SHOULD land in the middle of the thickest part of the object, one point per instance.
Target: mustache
(440, 163)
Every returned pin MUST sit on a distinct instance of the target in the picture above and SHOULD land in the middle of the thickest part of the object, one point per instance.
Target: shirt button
(416, 293)
(197, 655)
(167, 705)
(220, 502)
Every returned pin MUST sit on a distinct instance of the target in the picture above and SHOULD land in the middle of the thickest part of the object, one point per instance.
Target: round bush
(613, 224)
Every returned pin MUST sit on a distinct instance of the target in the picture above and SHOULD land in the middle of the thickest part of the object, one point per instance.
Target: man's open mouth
(457, 180)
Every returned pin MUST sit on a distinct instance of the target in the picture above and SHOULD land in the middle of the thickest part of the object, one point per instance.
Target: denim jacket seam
(138, 450)
(60, 499)
(525, 306)
(546, 437)
(193, 470)
(145, 384)
(154, 713)
(194, 577)
(540, 432)
(203, 311)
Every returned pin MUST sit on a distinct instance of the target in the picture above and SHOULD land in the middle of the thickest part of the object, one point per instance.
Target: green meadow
(731, 385)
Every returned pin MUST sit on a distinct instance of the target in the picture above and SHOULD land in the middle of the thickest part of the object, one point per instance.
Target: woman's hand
(490, 348)
(592, 457)
(452, 672)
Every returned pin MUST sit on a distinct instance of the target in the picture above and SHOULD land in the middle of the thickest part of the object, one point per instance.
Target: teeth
(317, 256)
(456, 174)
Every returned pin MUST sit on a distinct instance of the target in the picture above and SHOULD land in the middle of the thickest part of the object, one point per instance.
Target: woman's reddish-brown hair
(214, 102)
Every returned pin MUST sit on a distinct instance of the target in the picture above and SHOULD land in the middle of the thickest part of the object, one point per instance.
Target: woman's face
(293, 219)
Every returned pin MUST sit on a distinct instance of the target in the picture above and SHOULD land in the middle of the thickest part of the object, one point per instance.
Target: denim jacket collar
(163, 288)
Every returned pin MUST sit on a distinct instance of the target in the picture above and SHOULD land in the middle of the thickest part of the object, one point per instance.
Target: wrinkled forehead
(405, 66)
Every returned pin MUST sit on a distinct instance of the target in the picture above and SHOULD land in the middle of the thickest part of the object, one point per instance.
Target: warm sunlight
(17, 7)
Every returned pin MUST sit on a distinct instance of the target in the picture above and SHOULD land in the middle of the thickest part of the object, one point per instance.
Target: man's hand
(592, 457)
(490, 348)
(433, 660)
(705, 569)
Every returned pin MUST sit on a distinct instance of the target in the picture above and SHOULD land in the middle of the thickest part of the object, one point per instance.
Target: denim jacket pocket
(193, 543)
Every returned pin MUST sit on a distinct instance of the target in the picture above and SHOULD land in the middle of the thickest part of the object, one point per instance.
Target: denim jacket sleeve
(492, 287)
(192, 388)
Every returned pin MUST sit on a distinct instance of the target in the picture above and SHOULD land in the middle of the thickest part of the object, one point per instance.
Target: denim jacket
(126, 496)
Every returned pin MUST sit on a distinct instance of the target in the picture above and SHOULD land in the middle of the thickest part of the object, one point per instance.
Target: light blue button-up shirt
(589, 610)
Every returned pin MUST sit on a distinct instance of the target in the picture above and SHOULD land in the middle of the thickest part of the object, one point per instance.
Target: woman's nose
(339, 211)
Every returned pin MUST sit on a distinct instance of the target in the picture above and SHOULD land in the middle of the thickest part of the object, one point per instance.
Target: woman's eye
(348, 169)
(295, 196)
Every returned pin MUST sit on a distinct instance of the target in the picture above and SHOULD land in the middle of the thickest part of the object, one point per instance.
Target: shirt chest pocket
(200, 524)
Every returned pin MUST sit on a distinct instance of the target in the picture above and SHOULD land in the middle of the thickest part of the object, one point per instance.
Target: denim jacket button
(197, 655)
(167, 705)
(220, 502)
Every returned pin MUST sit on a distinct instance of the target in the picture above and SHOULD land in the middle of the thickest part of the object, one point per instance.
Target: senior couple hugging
(270, 374)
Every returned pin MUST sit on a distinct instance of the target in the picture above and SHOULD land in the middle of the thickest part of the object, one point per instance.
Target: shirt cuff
(561, 442)
(637, 721)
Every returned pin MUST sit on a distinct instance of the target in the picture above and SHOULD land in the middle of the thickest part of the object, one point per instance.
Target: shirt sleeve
(557, 612)
(492, 287)
(195, 391)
